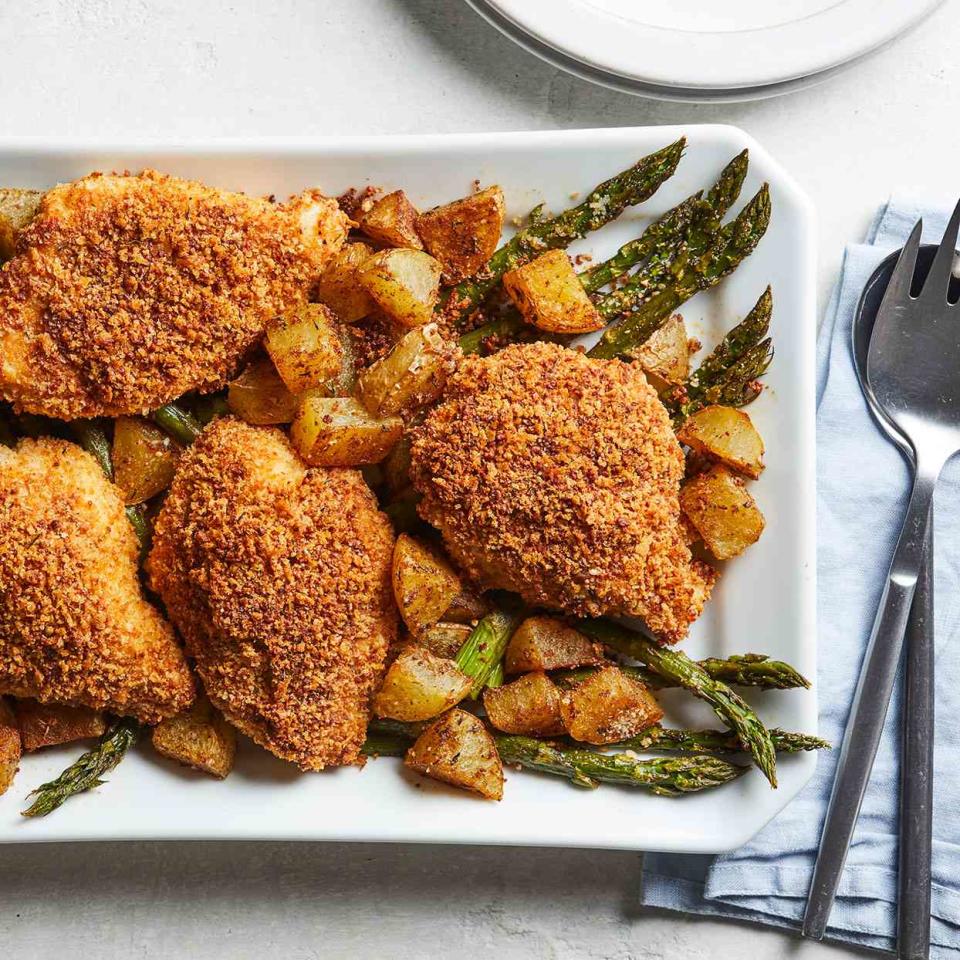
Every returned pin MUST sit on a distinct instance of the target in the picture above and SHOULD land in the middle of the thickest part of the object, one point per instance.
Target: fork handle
(869, 709)
(916, 774)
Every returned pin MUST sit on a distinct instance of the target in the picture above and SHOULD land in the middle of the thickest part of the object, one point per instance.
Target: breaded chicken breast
(127, 291)
(74, 625)
(278, 578)
(557, 477)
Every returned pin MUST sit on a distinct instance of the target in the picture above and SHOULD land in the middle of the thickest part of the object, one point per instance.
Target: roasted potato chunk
(338, 432)
(608, 706)
(198, 738)
(665, 356)
(339, 287)
(721, 509)
(444, 639)
(549, 295)
(305, 347)
(144, 459)
(392, 221)
(411, 375)
(419, 685)
(727, 435)
(459, 750)
(260, 397)
(17, 209)
(424, 583)
(546, 643)
(529, 706)
(466, 607)
(405, 284)
(464, 234)
(50, 724)
(10, 749)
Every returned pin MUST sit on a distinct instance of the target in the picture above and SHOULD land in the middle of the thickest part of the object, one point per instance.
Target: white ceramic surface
(709, 46)
(765, 601)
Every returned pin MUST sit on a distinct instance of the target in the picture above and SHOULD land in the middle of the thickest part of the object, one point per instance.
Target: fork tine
(901, 280)
(937, 283)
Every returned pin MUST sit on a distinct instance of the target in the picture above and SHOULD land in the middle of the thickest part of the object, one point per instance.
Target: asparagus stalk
(731, 245)
(728, 375)
(744, 670)
(93, 438)
(483, 650)
(385, 745)
(604, 203)
(666, 777)
(684, 672)
(119, 737)
(715, 742)
(179, 423)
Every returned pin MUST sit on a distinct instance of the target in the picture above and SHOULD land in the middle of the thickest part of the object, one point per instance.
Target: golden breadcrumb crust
(278, 578)
(74, 626)
(557, 476)
(127, 291)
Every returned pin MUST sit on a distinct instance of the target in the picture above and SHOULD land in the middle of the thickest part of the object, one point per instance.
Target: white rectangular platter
(764, 602)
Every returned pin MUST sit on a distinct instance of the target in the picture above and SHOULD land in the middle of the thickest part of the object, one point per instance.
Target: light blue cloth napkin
(862, 486)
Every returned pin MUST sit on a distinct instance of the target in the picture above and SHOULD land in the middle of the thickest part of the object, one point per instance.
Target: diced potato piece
(419, 685)
(339, 287)
(466, 607)
(198, 738)
(719, 505)
(411, 375)
(464, 234)
(50, 724)
(444, 639)
(17, 209)
(392, 221)
(305, 347)
(424, 583)
(608, 706)
(10, 749)
(338, 432)
(545, 643)
(529, 706)
(144, 459)
(665, 356)
(259, 396)
(727, 435)
(549, 294)
(404, 283)
(459, 750)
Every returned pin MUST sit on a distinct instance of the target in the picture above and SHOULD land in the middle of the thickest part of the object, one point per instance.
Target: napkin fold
(862, 488)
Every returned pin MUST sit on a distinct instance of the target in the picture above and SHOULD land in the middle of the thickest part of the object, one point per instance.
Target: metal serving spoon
(916, 785)
(913, 368)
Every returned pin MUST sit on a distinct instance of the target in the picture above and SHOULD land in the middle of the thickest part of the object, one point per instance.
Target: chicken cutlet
(127, 291)
(74, 625)
(557, 477)
(278, 578)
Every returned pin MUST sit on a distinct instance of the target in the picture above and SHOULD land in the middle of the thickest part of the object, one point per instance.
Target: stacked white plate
(696, 50)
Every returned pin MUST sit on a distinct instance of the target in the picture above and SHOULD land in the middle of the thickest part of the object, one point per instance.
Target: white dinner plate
(700, 46)
(764, 602)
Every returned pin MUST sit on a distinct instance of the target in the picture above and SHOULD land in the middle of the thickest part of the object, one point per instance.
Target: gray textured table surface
(181, 68)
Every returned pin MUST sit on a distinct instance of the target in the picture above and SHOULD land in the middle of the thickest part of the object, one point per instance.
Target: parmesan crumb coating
(278, 578)
(127, 291)
(557, 476)
(74, 626)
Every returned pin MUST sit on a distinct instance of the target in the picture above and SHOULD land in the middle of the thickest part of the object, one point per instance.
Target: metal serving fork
(913, 368)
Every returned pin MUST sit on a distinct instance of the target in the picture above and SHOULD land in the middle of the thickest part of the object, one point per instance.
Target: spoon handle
(869, 709)
(916, 775)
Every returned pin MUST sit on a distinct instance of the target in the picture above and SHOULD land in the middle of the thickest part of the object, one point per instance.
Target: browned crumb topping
(127, 291)
(557, 476)
(373, 337)
(74, 626)
(278, 578)
(356, 202)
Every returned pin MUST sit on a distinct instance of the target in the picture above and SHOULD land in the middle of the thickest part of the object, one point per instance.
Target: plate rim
(583, 33)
